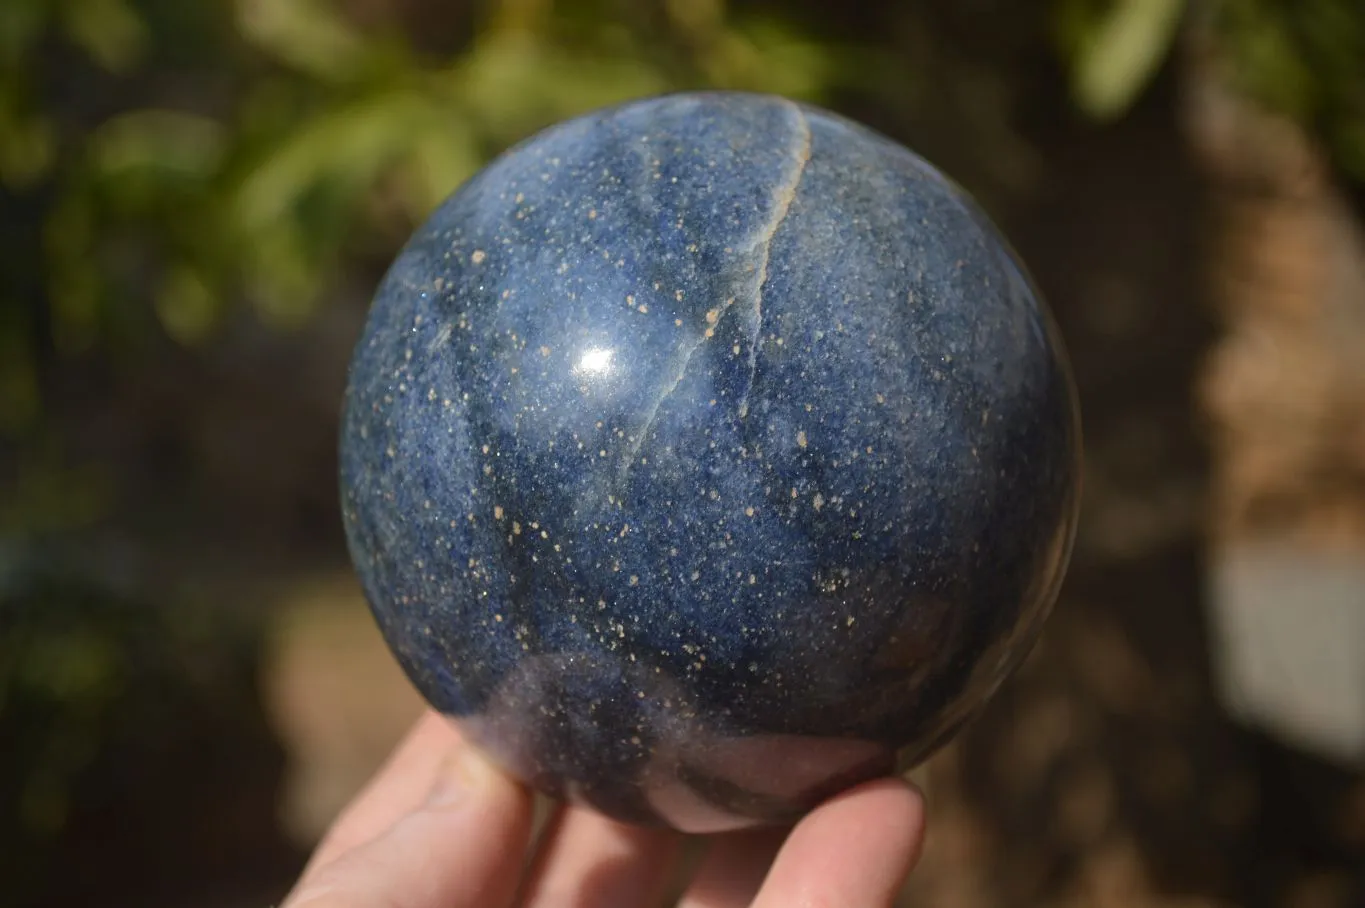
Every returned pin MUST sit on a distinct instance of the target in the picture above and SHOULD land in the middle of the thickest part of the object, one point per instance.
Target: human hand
(440, 827)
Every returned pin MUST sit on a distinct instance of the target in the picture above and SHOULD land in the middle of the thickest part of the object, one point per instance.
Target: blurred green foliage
(188, 156)
(86, 672)
(294, 136)
(1305, 58)
(1113, 48)
(1302, 58)
(164, 163)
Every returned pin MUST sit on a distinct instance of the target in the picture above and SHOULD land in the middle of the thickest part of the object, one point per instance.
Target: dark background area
(196, 200)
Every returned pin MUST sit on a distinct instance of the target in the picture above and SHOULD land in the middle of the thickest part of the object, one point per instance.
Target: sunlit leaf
(696, 16)
(767, 56)
(186, 305)
(308, 35)
(513, 84)
(527, 16)
(109, 30)
(165, 141)
(441, 159)
(351, 143)
(1121, 54)
(282, 280)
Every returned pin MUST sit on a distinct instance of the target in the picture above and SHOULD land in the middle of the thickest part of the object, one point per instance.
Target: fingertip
(896, 803)
(889, 814)
(856, 849)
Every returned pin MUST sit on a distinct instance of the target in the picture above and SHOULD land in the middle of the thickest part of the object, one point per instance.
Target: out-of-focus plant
(85, 666)
(177, 160)
(181, 160)
(327, 134)
(1303, 58)
(1114, 48)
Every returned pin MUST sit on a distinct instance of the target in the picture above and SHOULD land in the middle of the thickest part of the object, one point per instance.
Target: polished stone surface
(707, 455)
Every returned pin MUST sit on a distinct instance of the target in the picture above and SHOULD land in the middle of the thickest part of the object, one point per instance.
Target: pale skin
(440, 827)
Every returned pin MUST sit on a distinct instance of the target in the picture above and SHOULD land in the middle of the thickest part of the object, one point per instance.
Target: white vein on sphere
(638, 439)
(760, 247)
(783, 197)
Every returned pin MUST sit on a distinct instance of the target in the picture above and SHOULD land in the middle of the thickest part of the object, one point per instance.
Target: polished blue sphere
(707, 455)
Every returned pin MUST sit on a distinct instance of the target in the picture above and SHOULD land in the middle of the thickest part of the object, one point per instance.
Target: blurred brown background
(197, 198)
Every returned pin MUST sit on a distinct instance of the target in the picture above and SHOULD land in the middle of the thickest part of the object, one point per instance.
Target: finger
(853, 851)
(462, 847)
(588, 860)
(399, 786)
(733, 869)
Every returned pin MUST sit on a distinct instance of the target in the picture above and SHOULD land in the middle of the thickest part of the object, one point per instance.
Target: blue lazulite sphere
(707, 455)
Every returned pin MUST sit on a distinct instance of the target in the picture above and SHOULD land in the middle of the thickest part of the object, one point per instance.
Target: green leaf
(767, 56)
(350, 144)
(108, 30)
(1122, 52)
(282, 279)
(292, 211)
(527, 16)
(307, 35)
(158, 141)
(512, 84)
(186, 305)
(439, 161)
